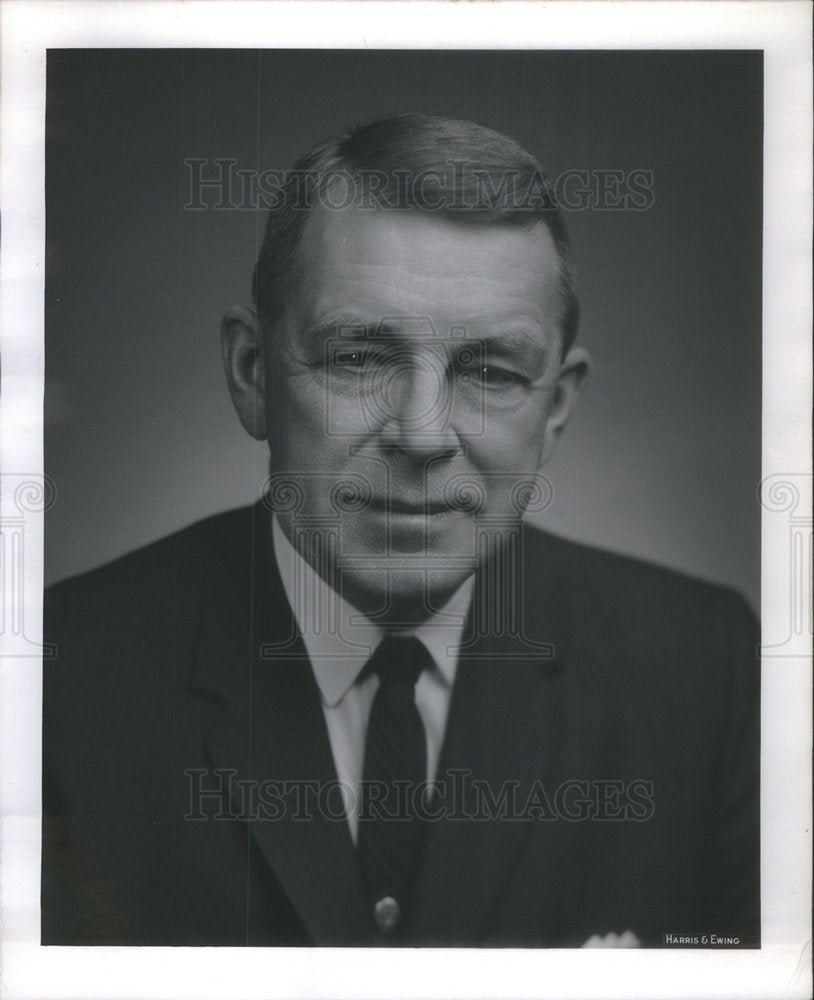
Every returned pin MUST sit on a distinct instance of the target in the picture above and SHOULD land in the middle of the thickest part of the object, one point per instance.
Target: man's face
(419, 367)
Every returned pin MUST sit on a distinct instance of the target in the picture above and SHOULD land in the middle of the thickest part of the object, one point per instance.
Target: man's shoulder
(171, 564)
(612, 580)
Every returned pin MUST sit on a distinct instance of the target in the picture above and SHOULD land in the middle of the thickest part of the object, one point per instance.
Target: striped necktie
(394, 779)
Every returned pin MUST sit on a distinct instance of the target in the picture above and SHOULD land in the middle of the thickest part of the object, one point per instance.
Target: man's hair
(412, 162)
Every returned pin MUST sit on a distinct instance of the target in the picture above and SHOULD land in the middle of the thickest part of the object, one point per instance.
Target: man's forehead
(396, 231)
(363, 267)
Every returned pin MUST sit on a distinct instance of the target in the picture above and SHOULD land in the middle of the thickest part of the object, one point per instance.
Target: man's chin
(401, 589)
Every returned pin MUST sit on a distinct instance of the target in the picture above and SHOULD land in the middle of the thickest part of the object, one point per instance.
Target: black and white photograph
(403, 503)
(377, 705)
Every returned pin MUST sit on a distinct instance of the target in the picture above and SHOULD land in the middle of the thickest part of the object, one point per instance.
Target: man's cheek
(298, 409)
(500, 450)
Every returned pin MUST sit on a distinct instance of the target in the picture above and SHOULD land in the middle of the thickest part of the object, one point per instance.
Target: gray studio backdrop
(663, 458)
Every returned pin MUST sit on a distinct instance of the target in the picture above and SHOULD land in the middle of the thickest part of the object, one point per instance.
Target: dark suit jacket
(601, 767)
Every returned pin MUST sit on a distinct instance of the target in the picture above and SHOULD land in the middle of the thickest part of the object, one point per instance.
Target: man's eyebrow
(516, 343)
(512, 343)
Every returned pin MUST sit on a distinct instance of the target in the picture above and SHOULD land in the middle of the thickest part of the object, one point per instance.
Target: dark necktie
(394, 777)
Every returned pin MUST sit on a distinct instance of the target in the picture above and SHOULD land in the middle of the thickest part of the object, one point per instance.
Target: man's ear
(573, 371)
(243, 358)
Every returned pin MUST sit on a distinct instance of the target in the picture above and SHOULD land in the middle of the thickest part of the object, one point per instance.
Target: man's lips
(421, 508)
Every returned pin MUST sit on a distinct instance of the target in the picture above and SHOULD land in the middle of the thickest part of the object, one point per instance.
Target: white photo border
(782, 31)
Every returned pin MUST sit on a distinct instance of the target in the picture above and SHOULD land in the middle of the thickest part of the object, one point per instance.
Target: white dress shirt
(340, 640)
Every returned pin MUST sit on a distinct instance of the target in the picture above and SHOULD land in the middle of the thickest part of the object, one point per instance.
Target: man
(375, 708)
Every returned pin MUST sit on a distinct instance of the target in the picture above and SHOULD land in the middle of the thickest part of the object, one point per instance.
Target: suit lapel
(503, 737)
(272, 734)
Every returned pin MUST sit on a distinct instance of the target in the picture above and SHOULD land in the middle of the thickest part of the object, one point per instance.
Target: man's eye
(494, 376)
(349, 359)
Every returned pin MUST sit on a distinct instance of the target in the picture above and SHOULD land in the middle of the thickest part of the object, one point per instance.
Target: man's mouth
(415, 508)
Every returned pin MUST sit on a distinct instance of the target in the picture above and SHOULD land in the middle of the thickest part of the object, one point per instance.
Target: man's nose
(416, 405)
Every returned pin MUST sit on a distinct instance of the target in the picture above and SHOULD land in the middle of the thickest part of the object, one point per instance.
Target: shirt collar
(340, 640)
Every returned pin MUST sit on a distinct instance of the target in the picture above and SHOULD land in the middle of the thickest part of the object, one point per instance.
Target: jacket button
(386, 914)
